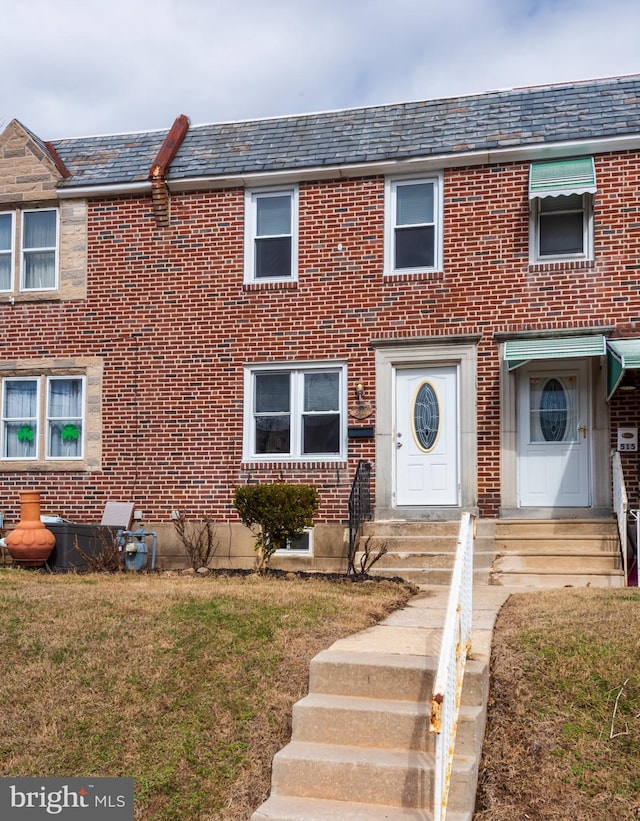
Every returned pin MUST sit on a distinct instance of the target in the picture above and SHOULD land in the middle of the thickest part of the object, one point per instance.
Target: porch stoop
(360, 745)
(557, 553)
(538, 553)
(423, 552)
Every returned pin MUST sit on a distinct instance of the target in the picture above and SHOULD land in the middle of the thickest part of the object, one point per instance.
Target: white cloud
(98, 66)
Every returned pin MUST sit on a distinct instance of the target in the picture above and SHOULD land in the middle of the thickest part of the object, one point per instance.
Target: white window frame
(535, 257)
(54, 248)
(296, 412)
(293, 551)
(11, 252)
(41, 422)
(37, 421)
(391, 186)
(48, 419)
(252, 196)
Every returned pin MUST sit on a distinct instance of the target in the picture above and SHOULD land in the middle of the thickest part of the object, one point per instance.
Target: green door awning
(518, 352)
(562, 178)
(622, 355)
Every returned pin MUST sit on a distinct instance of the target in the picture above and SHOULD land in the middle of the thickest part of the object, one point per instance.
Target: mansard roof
(518, 118)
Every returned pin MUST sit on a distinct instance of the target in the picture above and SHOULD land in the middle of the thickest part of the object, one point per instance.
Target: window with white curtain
(64, 418)
(7, 234)
(39, 249)
(29, 250)
(43, 417)
(20, 418)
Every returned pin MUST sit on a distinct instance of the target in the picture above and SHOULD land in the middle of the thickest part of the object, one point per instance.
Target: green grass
(564, 722)
(184, 684)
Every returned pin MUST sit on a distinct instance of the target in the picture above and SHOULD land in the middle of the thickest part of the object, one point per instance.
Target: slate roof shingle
(542, 114)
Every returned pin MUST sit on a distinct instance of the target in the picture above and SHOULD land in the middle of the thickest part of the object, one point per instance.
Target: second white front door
(426, 437)
(554, 436)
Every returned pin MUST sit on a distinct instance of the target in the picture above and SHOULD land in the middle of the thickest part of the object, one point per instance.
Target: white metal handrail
(621, 508)
(456, 643)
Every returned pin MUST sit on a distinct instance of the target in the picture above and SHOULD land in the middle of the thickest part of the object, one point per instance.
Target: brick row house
(448, 290)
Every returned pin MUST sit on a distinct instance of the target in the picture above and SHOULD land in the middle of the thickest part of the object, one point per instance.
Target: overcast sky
(84, 67)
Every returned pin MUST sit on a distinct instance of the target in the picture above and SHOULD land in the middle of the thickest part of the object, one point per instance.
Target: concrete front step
(377, 722)
(546, 545)
(428, 576)
(406, 541)
(286, 808)
(541, 553)
(363, 722)
(404, 677)
(557, 528)
(426, 527)
(405, 557)
(415, 575)
(395, 559)
(389, 529)
(584, 565)
(339, 773)
(396, 778)
(554, 580)
(423, 552)
(342, 672)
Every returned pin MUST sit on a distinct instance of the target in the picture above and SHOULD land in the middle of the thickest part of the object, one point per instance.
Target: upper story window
(43, 417)
(295, 412)
(271, 241)
(561, 196)
(29, 250)
(413, 237)
(7, 233)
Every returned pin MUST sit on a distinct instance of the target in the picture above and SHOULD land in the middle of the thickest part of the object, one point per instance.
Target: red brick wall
(168, 312)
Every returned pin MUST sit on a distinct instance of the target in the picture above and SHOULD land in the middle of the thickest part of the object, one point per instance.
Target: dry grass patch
(184, 684)
(563, 736)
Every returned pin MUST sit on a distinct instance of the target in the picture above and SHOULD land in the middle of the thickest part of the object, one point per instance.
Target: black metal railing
(359, 507)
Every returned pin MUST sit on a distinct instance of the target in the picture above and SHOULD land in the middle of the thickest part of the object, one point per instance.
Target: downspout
(157, 174)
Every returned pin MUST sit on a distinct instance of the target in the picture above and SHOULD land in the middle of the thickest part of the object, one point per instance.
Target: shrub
(198, 540)
(280, 510)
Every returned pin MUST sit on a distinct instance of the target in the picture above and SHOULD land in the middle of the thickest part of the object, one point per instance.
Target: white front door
(426, 437)
(554, 436)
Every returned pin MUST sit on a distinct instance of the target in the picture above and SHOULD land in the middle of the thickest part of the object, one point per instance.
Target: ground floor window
(45, 422)
(295, 412)
(303, 545)
(43, 417)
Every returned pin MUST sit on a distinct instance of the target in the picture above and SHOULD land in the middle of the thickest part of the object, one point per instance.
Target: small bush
(368, 557)
(198, 540)
(280, 510)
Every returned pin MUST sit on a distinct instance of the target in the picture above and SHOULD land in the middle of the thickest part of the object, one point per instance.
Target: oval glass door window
(426, 416)
(554, 411)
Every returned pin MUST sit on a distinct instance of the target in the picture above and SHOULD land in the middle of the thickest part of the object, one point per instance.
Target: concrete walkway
(407, 640)
(416, 629)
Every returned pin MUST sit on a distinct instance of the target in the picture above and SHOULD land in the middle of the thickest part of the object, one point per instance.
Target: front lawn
(563, 735)
(185, 684)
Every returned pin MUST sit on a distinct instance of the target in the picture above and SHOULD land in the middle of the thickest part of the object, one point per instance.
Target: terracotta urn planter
(30, 543)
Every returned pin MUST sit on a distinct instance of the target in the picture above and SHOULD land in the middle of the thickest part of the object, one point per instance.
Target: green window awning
(562, 178)
(518, 352)
(622, 355)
